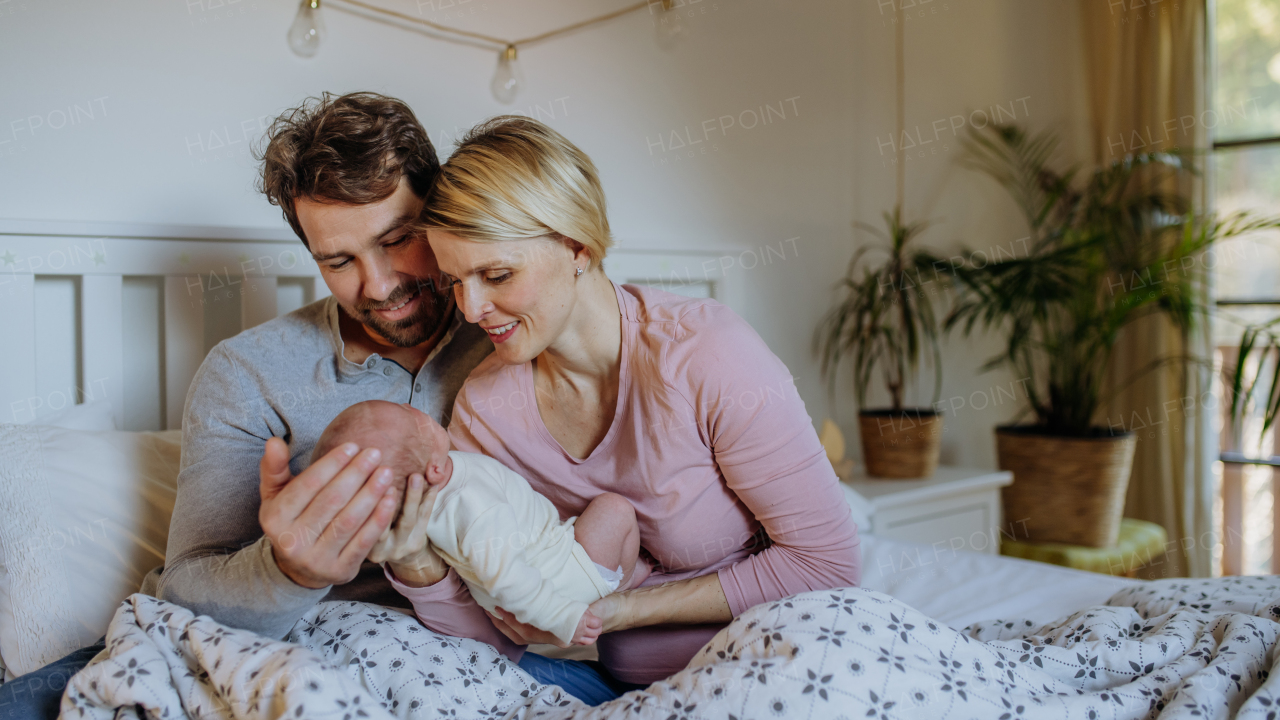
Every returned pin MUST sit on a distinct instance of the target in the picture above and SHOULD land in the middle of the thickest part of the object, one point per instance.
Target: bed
(105, 327)
(957, 637)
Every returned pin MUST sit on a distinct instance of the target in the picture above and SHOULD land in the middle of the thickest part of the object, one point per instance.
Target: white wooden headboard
(127, 313)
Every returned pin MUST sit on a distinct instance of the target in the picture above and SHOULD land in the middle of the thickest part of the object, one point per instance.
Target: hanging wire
(666, 5)
(900, 66)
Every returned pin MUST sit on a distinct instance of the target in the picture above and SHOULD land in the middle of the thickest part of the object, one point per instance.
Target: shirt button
(417, 387)
(386, 371)
(373, 362)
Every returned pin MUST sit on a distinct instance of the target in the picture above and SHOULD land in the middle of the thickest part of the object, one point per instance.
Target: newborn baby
(504, 540)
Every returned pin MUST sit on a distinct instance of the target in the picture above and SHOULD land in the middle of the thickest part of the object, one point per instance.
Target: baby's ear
(436, 468)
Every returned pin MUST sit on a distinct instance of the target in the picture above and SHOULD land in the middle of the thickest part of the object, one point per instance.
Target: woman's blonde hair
(513, 177)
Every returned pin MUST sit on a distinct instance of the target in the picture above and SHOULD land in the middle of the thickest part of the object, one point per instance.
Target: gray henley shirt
(286, 378)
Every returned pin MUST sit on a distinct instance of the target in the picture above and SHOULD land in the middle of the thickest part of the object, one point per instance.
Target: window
(1244, 123)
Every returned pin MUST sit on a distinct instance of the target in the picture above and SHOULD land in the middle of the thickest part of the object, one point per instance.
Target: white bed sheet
(960, 588)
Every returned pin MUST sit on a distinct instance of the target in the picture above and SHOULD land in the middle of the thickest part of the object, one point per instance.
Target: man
(250, 544)
(350, 175)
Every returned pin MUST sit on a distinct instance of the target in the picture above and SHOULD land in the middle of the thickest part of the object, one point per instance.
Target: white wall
(168, 95)
(964, 58)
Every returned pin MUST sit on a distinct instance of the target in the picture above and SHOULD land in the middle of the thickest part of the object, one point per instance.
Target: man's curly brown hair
(350, 149)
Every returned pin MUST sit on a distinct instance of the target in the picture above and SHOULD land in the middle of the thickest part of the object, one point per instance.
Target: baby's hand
(404, 545)
(588, 631)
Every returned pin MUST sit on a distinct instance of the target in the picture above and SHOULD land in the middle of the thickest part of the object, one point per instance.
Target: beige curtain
(1146, 69)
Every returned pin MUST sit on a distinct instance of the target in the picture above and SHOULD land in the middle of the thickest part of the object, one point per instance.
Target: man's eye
(498, 279)
(338, 265)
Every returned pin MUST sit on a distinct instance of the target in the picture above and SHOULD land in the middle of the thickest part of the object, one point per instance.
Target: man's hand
(404, 546)
(589, 628)
(323, 523)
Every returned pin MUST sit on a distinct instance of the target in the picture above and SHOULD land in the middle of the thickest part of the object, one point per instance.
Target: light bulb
(307, 29)
(507, 78)
(669, 29)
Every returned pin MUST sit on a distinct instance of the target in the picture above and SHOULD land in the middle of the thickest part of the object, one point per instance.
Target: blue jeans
(586, 680)
(37, 695)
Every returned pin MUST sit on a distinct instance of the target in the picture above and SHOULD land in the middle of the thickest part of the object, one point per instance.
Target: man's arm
(320, 525)
(218, 562)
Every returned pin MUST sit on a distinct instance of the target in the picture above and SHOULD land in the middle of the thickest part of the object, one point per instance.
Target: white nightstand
(957, 507)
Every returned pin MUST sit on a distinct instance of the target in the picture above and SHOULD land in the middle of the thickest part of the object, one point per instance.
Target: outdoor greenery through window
(1243, 120)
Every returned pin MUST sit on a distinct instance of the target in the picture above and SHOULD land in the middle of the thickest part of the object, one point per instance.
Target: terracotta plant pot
(901, 444)
(1065, 489)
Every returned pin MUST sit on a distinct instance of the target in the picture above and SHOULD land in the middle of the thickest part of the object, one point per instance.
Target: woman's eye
(398, 241)
(497, 279)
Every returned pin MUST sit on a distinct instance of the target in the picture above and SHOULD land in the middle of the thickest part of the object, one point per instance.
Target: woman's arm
(693, 601)
(762, 439)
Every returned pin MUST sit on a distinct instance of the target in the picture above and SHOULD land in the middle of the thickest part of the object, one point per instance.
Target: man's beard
(417, 328)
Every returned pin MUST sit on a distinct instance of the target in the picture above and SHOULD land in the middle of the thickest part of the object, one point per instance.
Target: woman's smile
(502, 333)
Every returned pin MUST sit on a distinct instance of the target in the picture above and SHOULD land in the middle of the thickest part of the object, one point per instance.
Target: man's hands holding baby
(323, 523)
(404, 545)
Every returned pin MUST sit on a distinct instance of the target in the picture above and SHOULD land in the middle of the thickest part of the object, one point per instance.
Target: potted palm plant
(886, 322)
(1259, 343)
(1103, 254)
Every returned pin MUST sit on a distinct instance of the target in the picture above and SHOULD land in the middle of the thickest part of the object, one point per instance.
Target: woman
(672, 402)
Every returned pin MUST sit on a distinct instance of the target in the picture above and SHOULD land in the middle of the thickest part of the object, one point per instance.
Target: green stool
(1140, 542)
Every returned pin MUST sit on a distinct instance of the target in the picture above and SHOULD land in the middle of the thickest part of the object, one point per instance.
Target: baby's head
(410, 440)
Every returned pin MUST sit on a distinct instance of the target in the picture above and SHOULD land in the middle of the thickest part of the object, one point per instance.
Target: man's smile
(400, 311)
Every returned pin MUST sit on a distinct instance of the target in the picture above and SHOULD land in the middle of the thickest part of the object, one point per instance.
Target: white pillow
(83, 517)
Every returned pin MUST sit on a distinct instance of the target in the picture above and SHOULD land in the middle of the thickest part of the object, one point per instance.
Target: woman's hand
(523, 633)
(609, 613)
(692, 601)
(613, 611)
(404, 546)
(604, 615)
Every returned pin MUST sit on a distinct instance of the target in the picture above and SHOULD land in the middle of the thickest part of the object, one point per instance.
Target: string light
(507, 78)
(308, 30)
(668, 26)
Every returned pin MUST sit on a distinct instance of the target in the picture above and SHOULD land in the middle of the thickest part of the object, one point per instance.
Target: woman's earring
(578, 273)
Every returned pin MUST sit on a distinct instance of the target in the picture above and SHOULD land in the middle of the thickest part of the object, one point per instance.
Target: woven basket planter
(900, 444)
(1065, 489)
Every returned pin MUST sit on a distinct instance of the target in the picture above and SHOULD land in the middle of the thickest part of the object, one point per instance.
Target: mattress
(960, 588)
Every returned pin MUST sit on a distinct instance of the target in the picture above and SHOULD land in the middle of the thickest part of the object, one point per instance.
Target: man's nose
(380, 280)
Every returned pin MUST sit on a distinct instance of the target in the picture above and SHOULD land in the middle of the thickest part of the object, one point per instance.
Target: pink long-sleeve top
(711, 444)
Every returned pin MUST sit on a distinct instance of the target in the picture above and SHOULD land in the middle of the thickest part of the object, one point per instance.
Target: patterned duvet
(1168, 649)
